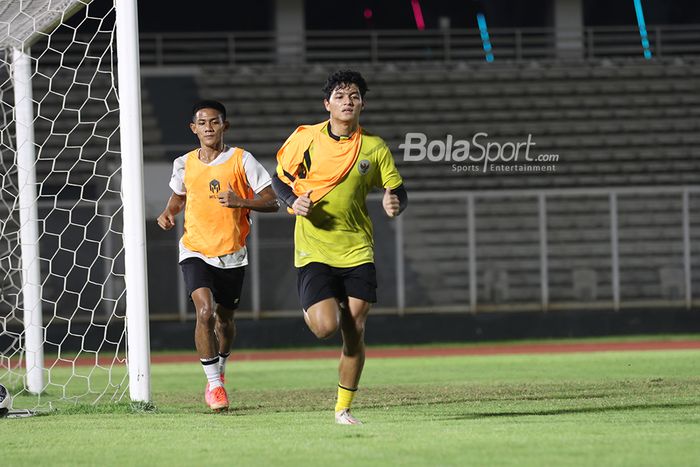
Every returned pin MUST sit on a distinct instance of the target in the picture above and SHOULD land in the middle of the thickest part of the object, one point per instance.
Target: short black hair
(209, 104)
(343, 78)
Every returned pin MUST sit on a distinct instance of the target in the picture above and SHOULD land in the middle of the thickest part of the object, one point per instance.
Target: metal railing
(438, 256)
(511, 44)
(621, 270)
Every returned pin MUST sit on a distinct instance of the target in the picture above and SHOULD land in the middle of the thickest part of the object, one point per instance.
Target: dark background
(180, 15)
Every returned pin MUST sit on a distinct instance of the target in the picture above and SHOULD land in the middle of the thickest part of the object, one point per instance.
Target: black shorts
(225, 284)
(318, 281)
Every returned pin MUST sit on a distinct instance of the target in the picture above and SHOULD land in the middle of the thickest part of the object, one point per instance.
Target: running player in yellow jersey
(216, 185)
(324, 174)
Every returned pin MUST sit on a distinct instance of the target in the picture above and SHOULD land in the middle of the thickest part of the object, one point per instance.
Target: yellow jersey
(338, 230)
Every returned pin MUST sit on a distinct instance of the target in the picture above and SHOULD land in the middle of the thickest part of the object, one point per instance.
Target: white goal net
(63, 297)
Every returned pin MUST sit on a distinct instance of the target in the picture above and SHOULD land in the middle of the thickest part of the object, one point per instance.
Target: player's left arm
(265, 200)
(395, 201)
(259, 181)
(395, 198)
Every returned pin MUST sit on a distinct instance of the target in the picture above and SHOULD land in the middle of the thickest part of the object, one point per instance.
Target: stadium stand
(612, 123)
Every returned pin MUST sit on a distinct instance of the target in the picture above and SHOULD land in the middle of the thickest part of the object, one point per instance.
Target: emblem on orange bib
(214, 188)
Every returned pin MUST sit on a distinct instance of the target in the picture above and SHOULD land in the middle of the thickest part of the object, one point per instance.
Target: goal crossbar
(22, 22)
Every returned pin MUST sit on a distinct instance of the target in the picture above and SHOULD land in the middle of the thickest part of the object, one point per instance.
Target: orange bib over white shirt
(214, 233)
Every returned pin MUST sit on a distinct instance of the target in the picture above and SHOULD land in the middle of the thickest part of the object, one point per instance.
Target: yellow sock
(345, 396)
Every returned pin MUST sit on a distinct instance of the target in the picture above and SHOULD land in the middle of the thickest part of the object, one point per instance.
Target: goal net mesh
(79, 210)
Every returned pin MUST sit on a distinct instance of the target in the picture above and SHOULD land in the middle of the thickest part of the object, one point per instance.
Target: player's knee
(225, 314)
(353, 335)
(360, 333)
(323, 325)
(205, 315)
(325, 329)
(356, 325)
(224, 327)
(323, 319)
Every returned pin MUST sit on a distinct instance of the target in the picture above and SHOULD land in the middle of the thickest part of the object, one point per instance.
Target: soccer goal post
(73, 282)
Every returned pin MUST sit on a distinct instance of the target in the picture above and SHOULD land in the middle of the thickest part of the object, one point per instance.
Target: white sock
(211, 369)
(222, 362)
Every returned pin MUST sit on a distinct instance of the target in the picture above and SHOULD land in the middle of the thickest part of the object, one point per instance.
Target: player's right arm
(301, 205)
(176, 203)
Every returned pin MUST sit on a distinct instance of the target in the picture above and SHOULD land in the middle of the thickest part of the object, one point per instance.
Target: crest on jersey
(214, 186)
(363, 166)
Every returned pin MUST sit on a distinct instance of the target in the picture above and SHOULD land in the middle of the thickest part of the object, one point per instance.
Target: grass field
(609, 408)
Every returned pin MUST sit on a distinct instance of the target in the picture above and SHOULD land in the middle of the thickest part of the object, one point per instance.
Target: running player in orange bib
(217, 186)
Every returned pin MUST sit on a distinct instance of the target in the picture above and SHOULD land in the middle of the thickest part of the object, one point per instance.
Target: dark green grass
(616, 408)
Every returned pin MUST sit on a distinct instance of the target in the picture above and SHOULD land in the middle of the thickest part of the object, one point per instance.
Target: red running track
(495, 349)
